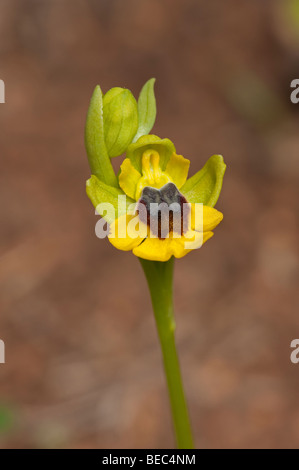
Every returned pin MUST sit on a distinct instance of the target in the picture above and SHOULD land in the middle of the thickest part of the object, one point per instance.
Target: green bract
(120, 120)
(146, 109)
(98, 158)
(113, 123)
(164, 147)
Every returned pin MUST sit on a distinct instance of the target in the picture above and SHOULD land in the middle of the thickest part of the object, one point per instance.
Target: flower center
(152, 174)
(164, 210)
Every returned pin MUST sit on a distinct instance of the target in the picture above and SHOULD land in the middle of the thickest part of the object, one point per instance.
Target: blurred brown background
(83, 366)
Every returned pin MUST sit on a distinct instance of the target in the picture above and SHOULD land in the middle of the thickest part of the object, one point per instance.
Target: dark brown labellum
(164, 210)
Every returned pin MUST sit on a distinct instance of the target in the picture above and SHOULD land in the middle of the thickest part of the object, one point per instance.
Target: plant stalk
(159, 276)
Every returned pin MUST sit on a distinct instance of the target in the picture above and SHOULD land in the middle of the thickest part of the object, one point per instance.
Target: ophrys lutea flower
(151, 209)
(154, 177)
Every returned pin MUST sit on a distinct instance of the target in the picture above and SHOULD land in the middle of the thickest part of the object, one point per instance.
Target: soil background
(83, 366)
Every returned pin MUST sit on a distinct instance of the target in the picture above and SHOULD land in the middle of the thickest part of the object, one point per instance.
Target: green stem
(159, 276)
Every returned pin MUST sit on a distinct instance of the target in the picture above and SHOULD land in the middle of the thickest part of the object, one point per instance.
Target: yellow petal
(177, 169)
(208, 221)
(191, 241)
(128, 178)
(121, 237)
(155, 249)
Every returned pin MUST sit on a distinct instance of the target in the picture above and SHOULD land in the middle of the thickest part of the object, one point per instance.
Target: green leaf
(164, 147)
(120, 120)
(205, 186)
(146, 109)
(7, 419)
(99, 161)
(101, 193)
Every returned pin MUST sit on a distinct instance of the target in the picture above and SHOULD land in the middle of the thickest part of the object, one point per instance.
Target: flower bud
(120, 120)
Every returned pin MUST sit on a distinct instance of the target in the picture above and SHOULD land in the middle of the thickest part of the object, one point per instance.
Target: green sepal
(120, 120)
(99, 161)
(146, 109)
(205, 186)
(164, 147)
(100, 193)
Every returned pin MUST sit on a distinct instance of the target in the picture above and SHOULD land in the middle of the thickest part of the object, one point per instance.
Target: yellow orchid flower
(153, 172)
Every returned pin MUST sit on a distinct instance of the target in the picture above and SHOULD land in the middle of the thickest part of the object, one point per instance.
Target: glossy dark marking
(164, 209)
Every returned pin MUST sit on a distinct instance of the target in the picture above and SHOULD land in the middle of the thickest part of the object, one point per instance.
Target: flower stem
(159, 276)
